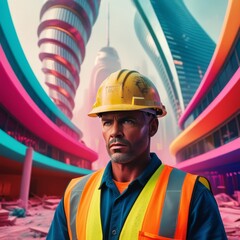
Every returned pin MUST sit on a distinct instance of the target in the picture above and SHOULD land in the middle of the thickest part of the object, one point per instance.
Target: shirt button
(114, 232)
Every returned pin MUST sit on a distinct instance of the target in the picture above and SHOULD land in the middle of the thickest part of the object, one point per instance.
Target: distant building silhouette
(106, 62)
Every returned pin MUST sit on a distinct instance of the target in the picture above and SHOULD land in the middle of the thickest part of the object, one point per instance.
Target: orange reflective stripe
(83, 207)
(154, 210)
(149, 236)
(183, 213)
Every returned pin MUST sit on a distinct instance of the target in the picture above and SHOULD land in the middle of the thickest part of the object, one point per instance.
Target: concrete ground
(39, 218)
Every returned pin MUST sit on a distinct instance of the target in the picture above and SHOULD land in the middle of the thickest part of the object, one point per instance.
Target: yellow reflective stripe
(133, 223)
(205, 182)
(94, 226)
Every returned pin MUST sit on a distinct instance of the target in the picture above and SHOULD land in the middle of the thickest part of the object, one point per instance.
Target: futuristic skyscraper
(63, 33)
(210, 140)
(178, 46)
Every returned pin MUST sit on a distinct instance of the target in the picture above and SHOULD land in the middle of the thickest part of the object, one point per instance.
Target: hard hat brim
(125, 107)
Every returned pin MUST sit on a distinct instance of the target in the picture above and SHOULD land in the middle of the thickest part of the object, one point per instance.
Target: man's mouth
(116, 146)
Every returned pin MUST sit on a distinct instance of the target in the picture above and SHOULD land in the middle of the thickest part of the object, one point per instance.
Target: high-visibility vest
(160, 211)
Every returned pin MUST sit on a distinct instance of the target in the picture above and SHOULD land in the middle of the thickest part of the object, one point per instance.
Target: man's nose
(116, 129)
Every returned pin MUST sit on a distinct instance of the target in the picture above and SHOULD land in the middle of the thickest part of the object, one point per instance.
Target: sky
(25, 15)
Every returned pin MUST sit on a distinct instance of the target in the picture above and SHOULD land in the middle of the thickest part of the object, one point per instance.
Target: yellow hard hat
(127, 90)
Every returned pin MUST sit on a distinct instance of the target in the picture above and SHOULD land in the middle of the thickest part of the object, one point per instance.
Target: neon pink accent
(228, 34)
(17, 101)
(217, 157)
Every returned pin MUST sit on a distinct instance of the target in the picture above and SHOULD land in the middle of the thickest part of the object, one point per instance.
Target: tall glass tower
(63, 33)
(178, 46)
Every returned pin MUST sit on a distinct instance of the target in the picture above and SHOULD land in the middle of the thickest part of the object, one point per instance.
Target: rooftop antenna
(108, 20)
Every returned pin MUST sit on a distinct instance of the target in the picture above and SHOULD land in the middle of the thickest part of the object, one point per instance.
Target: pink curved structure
(220, 158)
(33, 117)
(229, 32)
(30, 120)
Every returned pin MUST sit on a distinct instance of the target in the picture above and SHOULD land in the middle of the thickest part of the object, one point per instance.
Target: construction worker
(135, 196)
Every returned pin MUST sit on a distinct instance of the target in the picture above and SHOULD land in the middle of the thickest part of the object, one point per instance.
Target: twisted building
(178, 46)
(34, 134)
(63, 33)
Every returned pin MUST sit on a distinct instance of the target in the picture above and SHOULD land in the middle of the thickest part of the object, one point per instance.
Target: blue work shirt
(204, 218)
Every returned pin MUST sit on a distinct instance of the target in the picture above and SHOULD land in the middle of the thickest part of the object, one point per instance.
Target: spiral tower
(64, 30)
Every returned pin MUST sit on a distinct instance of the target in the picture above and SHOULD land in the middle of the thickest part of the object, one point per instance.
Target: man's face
(127, 135)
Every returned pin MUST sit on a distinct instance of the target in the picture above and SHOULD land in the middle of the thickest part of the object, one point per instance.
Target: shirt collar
(154, 163)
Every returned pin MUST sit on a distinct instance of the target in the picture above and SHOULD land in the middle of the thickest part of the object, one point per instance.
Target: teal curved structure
(29, 118)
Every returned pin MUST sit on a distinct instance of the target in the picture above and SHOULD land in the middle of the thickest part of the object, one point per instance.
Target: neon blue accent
(11, 148)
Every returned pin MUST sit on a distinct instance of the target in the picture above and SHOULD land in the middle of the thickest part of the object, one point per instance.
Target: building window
(210, 96)
(11, 126)
(229, 70)
(238, 121)
(3, 118)
(216, 138)
(189, 152)
(204, 103)
(208, 143)
(199, 109)
(233, 130)
(222, 79)
(238, 50)
(216, 89)
(194, 150)
(201, 147)
(42, 146)
(234, 62)
(226, 133)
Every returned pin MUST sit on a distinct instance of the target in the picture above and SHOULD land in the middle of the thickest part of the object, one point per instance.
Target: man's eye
(128, 121)
(106, 123)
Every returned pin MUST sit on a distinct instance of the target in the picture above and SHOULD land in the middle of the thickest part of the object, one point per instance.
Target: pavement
(33, 226)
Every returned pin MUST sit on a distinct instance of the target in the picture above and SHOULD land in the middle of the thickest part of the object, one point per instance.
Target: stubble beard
(118, 157)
